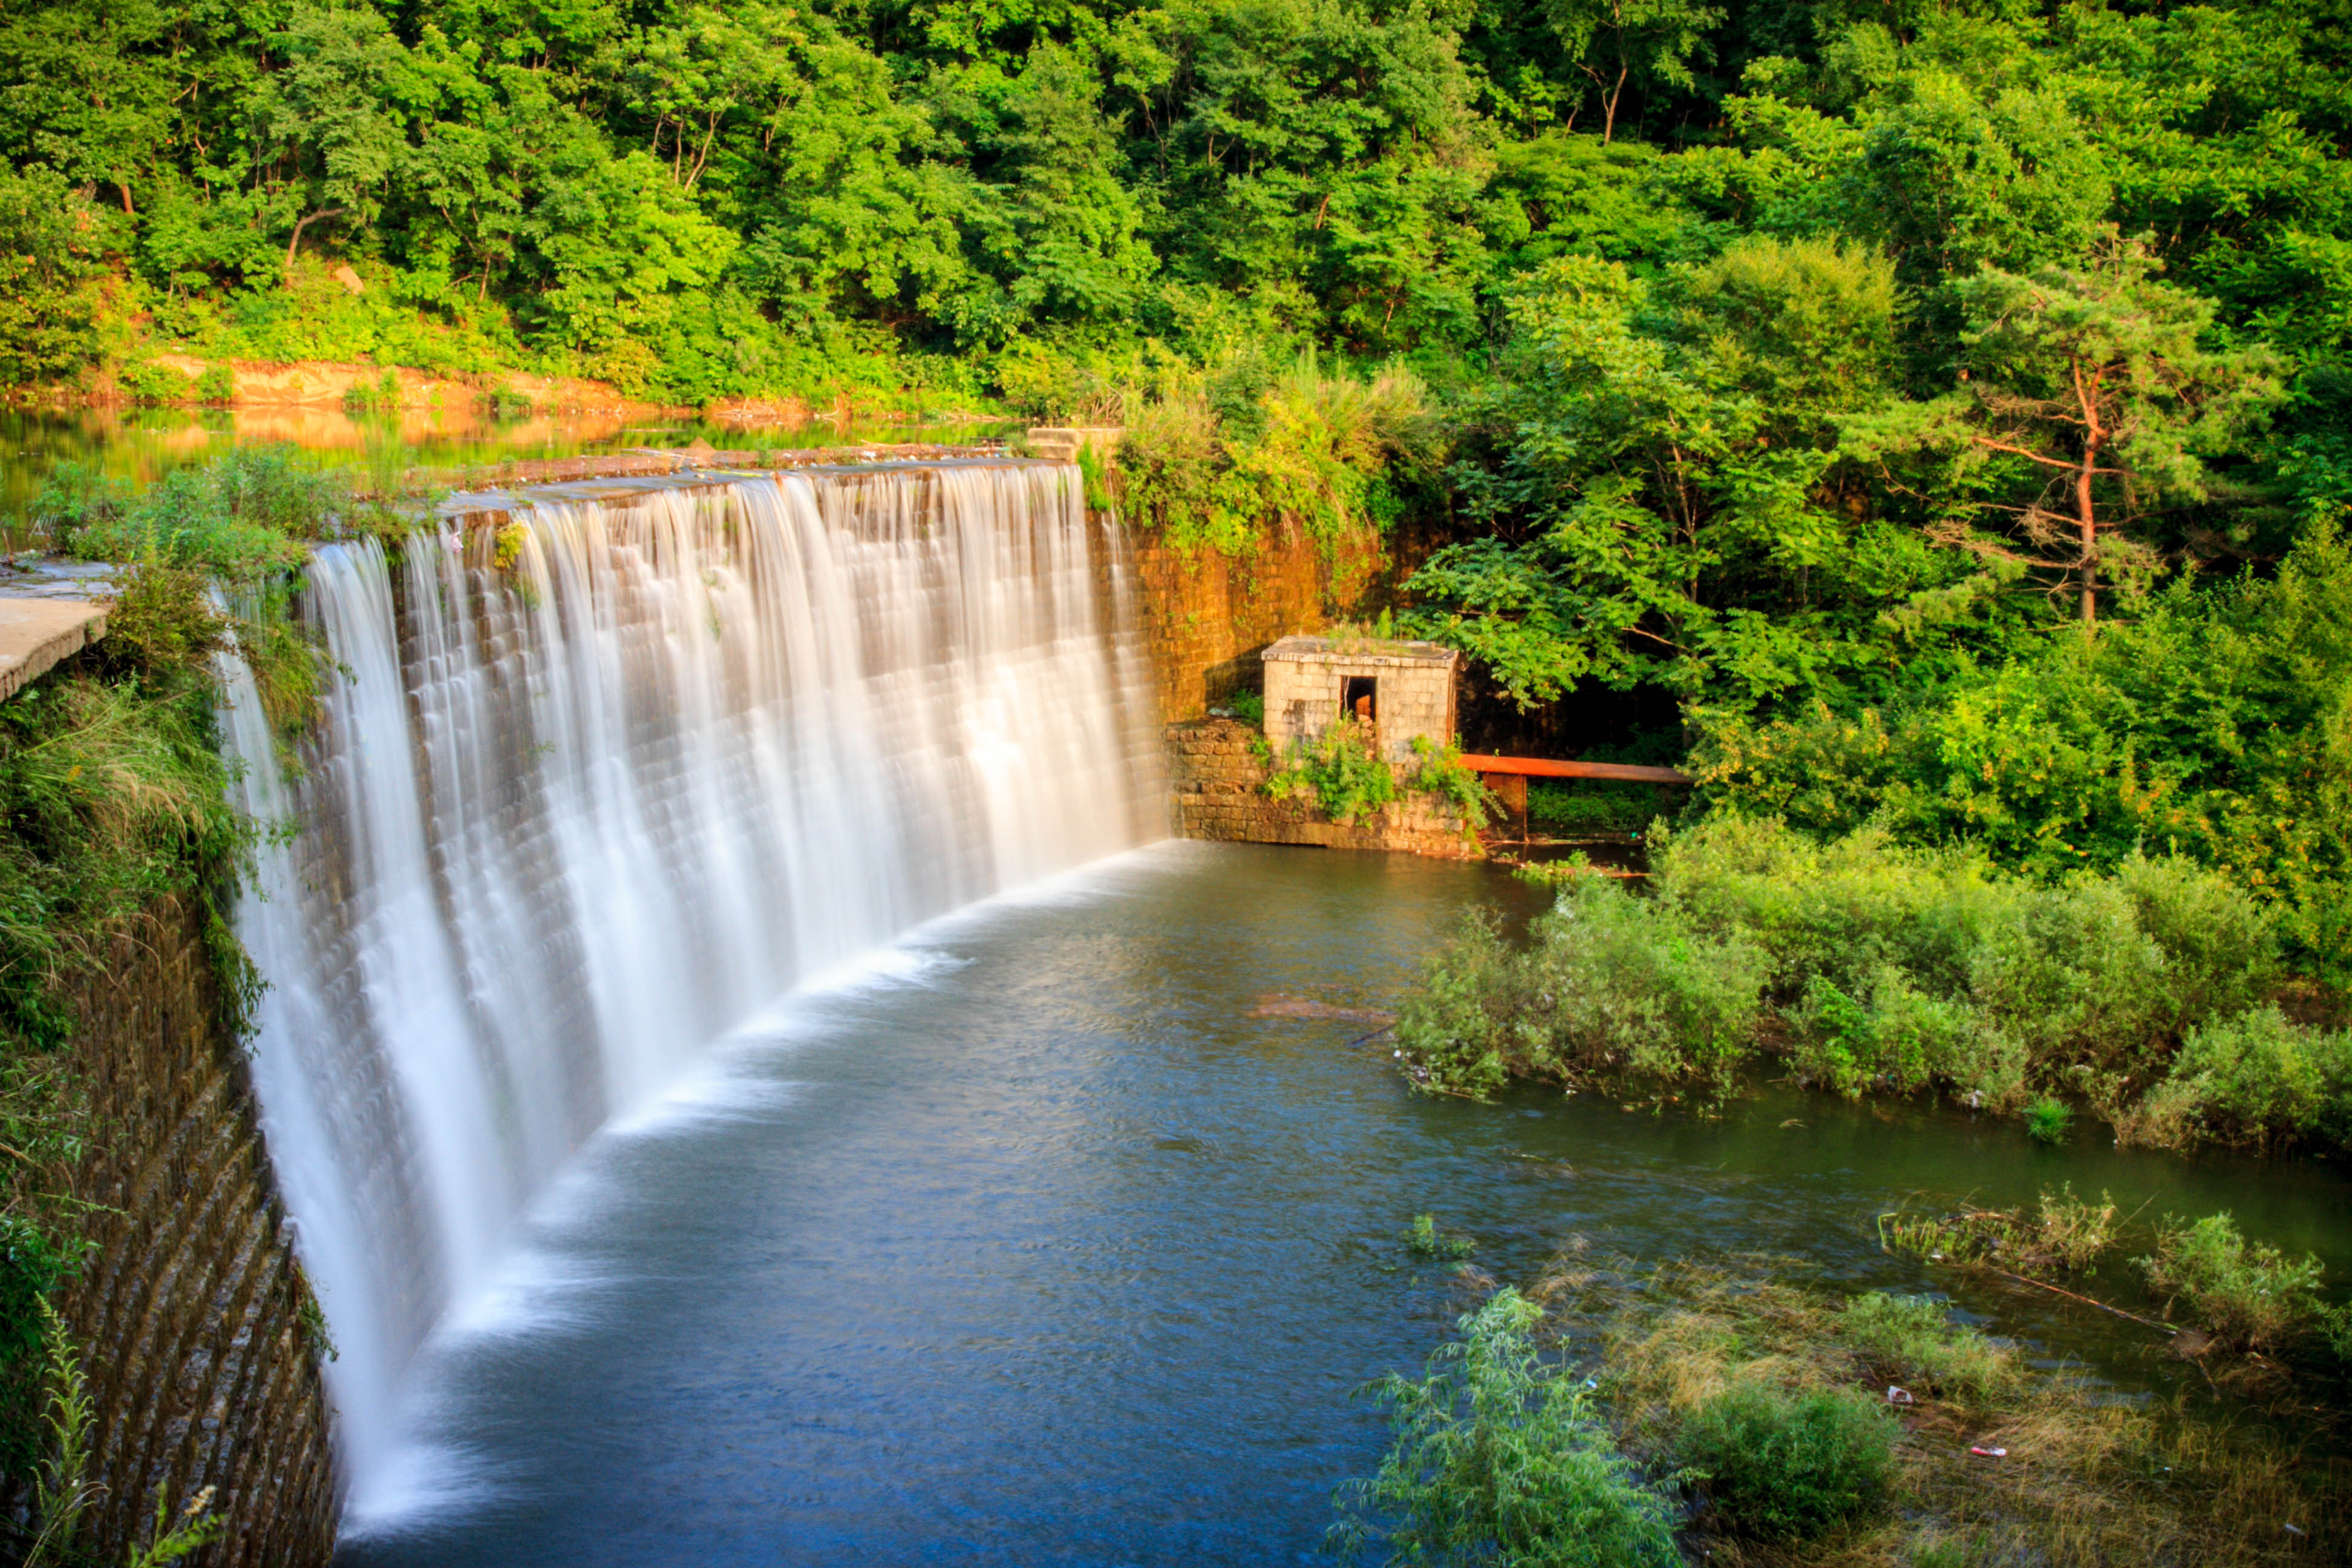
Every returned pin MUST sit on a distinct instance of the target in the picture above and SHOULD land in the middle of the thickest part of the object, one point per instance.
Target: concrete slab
(36, 633)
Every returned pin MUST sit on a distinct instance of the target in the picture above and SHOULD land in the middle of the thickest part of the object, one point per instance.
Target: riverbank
(2158, 997)
(1634, 1415)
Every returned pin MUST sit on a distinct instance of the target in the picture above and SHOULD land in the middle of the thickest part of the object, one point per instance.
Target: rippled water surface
(1059, 1235)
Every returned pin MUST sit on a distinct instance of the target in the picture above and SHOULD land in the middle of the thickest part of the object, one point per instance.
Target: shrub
(163, 617)
(1449, 1027)
(1439, 771)
(1782, 1466)
(1892, 1035)
(2255, 1079)
(2248, 1294)
(1249, 706)
(1498, 1458)
(1616, 985)
(1341, 770)
(149, 381)
(2075, 978)
(239, 519)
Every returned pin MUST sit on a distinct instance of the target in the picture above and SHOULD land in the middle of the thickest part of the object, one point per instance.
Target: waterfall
(591, 787)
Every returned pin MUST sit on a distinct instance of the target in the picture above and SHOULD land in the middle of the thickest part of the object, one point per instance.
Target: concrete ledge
(35, 634)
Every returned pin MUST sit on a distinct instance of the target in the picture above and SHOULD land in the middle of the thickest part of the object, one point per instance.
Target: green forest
(1930, 419)
(1927, 425)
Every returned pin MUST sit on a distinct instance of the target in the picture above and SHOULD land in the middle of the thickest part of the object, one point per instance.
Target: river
(1052, 1235)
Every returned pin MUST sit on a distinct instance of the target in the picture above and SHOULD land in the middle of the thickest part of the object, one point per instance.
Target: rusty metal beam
(1546, 768)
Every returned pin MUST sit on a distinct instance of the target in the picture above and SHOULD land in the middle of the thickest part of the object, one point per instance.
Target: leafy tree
(331, 113)
(1679, 479)
(2096, 379)
(50, 239)
(1612, 41)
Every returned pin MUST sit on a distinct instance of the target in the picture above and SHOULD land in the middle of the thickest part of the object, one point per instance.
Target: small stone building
(1403, 689)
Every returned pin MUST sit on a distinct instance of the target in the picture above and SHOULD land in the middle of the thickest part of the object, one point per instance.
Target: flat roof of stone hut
(1360, 651)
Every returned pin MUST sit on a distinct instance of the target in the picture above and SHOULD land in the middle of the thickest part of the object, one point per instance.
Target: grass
(2047, 1120)
(2249, 1296)
(2088, 1479)
(2065, 1234)
(1781, 1465)
(1427, 1240)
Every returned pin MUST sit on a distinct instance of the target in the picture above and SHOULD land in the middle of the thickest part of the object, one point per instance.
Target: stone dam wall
(190, 1308)
(1218, 784)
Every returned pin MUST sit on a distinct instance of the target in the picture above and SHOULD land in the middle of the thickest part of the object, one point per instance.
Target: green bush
(1249, 706)
(1620, 985)
(2260, 1080)
(1341, 770)
(149, 381)
(1873, 966)
(243, 518)
(1439, 771)
(1890, 1034)
(1782, 1466)
(1451, 1028)
(1499, 1458)
(2247, 1294)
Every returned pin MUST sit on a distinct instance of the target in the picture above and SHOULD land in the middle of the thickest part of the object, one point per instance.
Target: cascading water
(590, 789)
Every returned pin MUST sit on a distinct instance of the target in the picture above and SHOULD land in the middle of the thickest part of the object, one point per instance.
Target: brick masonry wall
(1218, 784)
(1206, 616)
(189, 1311)
(1414, 700)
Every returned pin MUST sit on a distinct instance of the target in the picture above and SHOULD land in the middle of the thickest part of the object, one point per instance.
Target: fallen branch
(2088, 1301)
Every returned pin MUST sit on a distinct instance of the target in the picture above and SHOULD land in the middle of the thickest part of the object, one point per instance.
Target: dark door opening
(1360, 695)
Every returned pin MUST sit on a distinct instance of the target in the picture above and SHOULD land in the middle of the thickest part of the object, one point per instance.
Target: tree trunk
(299, 225)
(2086, 519)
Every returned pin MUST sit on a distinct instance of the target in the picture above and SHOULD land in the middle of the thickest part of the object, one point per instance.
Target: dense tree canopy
(1828, 370)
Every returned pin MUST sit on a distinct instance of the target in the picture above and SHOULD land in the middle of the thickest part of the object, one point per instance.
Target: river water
(1053, 1234)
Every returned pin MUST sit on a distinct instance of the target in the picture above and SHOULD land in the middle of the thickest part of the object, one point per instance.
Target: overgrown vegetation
(2248, 1295)
(1862, 966)
(1501, 1457)
(114, 796)
(1343, 773)
(1696, 1413)
(2065, 1235)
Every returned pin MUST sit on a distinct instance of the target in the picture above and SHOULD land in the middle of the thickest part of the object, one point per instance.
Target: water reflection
(142, 445)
